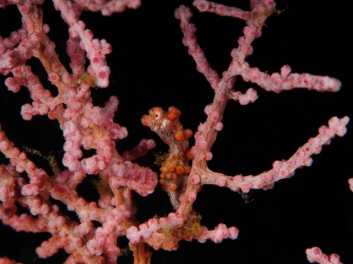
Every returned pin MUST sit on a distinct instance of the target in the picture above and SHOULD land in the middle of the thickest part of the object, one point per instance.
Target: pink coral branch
(281, 169)
(184, 14)
(315, 255)
(49, 219)
(108, 7)
(350, 182)
(5, 260)
(277, 82)
(221, 10)
(140, 150)
(96, 50)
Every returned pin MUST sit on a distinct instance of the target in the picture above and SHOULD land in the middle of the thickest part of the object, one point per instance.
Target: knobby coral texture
(175, 132)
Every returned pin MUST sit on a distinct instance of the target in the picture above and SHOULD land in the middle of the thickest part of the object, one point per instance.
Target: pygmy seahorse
(174, 169)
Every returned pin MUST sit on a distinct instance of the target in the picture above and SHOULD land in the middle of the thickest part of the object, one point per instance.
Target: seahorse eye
(156, 113)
